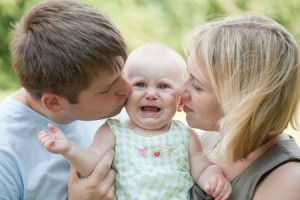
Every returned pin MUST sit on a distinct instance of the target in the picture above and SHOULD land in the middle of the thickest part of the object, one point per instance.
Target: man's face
(105, 97)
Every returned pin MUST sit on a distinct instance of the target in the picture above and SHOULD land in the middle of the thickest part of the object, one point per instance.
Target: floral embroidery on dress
(143, 152)
(170, 149)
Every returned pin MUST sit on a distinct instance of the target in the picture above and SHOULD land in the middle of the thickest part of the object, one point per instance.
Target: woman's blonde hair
(252, 64)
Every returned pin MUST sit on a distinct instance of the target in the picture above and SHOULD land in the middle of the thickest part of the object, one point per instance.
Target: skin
(288, 176)
(109, 93)
(200, 105)
(105, 97)
(152, 90)
(203, 112)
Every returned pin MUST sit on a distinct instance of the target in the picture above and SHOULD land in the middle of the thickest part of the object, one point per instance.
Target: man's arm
(10, 181)
(99, 185)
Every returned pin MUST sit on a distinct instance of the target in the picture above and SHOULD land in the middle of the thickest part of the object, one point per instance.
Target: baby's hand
(56, 142)
(219, 187)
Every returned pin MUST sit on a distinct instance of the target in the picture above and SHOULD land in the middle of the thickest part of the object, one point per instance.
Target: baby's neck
(146, 131)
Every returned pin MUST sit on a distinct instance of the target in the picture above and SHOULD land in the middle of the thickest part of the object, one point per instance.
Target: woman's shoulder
(282, 183)
(271, 174)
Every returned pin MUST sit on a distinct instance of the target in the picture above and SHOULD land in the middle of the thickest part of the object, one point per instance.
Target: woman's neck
(232, 170)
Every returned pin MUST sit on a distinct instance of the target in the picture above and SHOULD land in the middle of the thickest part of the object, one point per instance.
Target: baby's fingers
(53, 128)
(219, 187)
(42, 135)
(223, 190)
(227, 194)
(44, 138)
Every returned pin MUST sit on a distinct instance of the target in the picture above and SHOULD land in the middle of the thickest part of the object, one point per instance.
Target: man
(69, 58)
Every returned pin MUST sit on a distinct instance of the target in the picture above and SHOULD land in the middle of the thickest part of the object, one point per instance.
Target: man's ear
(52, 102)
(180, 105)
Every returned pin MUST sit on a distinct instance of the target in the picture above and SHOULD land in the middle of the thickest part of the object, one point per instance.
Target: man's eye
(104, 91)
(162, 86)
(140, 84)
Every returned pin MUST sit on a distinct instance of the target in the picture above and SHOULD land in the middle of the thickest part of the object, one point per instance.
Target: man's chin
(114, 113)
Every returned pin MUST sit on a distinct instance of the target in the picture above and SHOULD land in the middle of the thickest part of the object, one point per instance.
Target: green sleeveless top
(244, 185)
(154, 167)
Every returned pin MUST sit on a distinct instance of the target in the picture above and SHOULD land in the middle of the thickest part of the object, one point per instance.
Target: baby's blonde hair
(252, 64)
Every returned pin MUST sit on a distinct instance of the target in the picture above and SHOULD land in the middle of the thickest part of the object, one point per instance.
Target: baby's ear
(180, 105)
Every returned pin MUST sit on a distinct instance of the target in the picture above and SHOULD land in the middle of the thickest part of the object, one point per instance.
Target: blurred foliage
(10, 12)
(140, 21)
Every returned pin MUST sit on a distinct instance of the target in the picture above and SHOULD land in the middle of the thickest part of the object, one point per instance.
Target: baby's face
(153, 101)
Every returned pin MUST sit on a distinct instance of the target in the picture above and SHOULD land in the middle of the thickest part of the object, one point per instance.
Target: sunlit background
(140, 21)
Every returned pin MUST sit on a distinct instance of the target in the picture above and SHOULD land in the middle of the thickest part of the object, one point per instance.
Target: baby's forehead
(159, 62)
(155, 74)
(155, 51)
(156, 67)
(155, 61)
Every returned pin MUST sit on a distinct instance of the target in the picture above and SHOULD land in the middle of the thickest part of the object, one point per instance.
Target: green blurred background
(140, 21)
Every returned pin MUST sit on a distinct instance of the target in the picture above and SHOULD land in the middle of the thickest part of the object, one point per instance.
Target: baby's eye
(140, 84)
(162, 86)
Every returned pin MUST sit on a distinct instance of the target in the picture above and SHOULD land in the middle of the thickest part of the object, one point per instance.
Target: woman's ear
(180, 105)
(52, 102)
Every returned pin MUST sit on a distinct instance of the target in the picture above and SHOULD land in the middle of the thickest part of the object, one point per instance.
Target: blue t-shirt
(27, 170)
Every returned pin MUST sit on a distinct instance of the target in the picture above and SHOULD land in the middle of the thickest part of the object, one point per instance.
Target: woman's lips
(187, 109)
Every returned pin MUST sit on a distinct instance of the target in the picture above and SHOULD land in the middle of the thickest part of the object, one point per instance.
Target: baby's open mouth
(150, 109)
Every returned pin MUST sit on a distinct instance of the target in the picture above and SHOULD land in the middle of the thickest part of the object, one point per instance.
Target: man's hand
(99, 185)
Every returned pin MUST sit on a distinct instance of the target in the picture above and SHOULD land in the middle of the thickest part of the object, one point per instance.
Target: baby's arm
(56, 142)
(205, 173)
(84, 160)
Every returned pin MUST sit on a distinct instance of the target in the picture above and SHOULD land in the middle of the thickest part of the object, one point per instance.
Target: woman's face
(200, 104)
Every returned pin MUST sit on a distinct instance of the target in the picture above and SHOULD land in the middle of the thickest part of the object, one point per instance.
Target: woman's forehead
(196, 67)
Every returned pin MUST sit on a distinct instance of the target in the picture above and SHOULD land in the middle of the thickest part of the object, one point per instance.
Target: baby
(155, 157)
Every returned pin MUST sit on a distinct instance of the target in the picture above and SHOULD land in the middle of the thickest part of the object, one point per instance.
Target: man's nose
(125, 87)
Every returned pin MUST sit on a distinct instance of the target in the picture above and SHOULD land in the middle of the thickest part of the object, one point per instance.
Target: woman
(244, 82)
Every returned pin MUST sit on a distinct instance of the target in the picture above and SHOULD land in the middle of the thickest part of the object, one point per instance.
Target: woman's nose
(182, 91)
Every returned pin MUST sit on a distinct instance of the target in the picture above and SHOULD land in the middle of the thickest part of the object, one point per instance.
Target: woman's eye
(162, 86)
(140, 84)
(196, 87)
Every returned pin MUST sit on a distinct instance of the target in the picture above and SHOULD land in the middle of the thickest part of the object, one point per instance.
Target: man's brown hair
(59, 46)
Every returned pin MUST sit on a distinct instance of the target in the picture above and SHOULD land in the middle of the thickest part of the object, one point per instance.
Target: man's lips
(123, 105)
